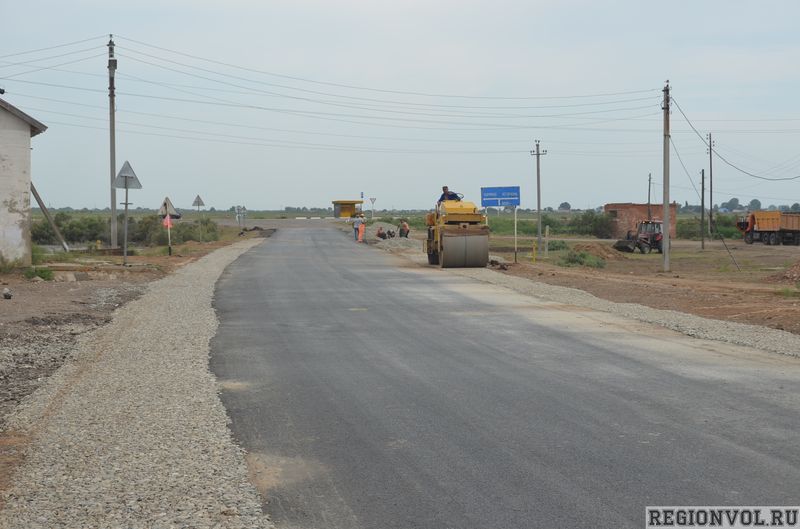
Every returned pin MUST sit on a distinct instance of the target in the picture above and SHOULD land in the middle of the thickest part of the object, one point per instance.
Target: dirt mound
(603, 251)
(790, 274)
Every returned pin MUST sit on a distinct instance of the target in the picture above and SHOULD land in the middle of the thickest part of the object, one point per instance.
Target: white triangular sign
(127, 178)
(168, 209)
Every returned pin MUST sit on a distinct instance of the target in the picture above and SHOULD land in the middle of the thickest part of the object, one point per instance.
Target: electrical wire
(52, 66)
(240, 125)
(675, 148)
(725, 160)
(361, 107)
(8, 63)
(338, 117)
(357, 87)
(321, 147)
(51, 47)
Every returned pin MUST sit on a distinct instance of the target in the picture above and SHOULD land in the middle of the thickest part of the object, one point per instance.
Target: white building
(16, 130)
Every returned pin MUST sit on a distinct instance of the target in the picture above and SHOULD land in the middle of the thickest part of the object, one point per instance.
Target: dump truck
(458, 236)
(649, 236)
(770, 227)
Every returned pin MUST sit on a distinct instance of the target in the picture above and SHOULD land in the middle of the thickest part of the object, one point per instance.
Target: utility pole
(649, 185)
(112, 68)
(538, 155)
(702, 209)
(710, 184)
(667, 223)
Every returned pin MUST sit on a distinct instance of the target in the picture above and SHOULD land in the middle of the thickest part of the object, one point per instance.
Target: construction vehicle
(770, 227)
(458, 236)
(649, 236)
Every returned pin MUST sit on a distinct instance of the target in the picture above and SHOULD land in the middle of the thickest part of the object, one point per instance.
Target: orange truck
(771, 227)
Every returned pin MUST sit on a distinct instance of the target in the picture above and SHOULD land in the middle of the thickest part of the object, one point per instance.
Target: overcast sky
(300, 102)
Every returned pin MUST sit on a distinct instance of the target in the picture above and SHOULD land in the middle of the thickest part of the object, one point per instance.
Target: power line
(21, 63)
(674, 148)
(52, 66)
(300, 131)
(299, 145)
(52, 47)
(361, 107)
(357, 87)
(316, 92)
(725, 160)
(338, 117)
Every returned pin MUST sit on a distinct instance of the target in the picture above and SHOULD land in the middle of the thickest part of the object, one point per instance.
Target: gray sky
(315, 100)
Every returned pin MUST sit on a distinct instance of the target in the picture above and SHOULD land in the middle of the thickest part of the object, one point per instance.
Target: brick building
(625, 216)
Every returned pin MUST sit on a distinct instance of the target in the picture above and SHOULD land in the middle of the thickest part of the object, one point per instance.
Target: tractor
(649, 236)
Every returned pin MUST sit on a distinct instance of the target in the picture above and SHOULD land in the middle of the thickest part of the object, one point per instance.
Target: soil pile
(603, 251)
(790, 274)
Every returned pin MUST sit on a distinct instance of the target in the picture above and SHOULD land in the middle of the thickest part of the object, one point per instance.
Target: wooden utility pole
(667, 223)
(538, 155)
(112, 68)
(702, 209)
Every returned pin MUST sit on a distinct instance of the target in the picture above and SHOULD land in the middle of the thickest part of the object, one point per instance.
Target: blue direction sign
(499, 196)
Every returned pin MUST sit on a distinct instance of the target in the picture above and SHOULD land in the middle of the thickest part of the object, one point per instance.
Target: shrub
(591, 223)
(574, 258)
(554, 246)
(44, 273)
(37, 254)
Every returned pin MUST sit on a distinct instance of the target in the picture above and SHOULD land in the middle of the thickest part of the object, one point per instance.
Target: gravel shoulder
(131, 432)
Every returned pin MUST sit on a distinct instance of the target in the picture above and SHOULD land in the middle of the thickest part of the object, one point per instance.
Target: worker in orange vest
(362, 228)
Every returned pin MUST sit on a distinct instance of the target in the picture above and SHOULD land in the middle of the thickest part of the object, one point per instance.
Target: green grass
(44, 273)
(573, 258)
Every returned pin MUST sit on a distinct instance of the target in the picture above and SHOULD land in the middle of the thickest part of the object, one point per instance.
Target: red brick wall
(626, 215)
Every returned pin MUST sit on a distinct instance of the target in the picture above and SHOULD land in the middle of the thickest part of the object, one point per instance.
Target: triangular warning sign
(127, 178)
(198, 202)
(168, 209)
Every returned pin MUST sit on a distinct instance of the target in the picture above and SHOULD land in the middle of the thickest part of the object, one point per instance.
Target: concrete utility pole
(702, 209)
(649, 185)
(112, 68)
(666, 225)
(538, 155)
(710, 184)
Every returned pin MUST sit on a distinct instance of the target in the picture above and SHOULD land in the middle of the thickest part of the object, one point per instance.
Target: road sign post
(126, 179)
(498, 197)
(372, 214)
(168, 212)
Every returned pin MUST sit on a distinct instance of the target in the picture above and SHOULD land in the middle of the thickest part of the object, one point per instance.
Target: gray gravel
(132, 432)
(755, 336)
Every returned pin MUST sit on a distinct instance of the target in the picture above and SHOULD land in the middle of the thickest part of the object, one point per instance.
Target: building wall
(625, 217)
(15, 189)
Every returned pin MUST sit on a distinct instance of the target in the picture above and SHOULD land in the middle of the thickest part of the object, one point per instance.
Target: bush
(688, 228)
(150, 231)
(37, 254)
(554, 246)
(44, 273)
(81, 229)
(591, 223)
(574, 258)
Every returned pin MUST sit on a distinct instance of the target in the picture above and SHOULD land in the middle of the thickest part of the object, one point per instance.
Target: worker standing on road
(448, 195)
(362, 228)
(356, 224)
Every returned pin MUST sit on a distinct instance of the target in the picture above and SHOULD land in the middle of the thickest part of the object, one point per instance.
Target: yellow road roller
(458, 236)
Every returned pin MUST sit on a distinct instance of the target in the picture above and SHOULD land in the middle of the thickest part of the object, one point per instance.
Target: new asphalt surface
(370, 392)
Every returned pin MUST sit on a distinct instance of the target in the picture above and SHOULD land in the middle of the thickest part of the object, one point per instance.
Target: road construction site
(309, 316)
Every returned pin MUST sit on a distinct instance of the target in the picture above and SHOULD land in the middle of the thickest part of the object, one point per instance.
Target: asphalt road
(373, 393)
